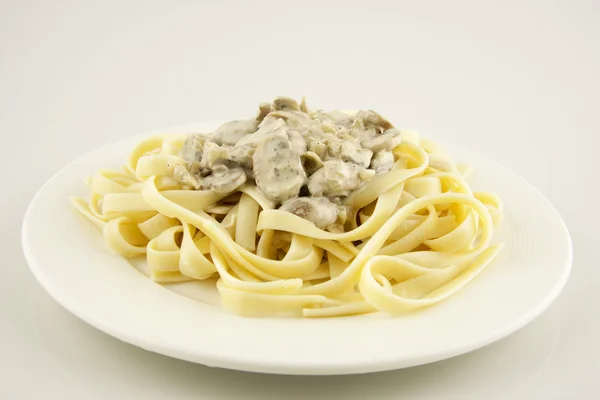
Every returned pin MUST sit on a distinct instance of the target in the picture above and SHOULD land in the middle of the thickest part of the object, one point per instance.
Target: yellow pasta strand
(415, 235)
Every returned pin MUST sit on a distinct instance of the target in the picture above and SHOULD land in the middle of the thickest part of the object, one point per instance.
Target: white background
(516, 81)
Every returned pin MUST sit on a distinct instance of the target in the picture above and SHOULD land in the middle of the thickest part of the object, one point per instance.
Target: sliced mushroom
(213, 153)
(383, 161)
(336, 178)
(267, 127)
(297, 120)
(317, 210)
(370, 118)
(360, 157)
(363, 134)
(194, 168)
(286, 103)
(311, 162)
(335, 116)
(277, 168)
(348, 151)
(297, 141)
(368, 124)
(336, 148)
(224, 180)
(193, 147)
(231, 132)
(386, 141)
(263, 110)
(242, 155)
(318, 147)
(183, 176)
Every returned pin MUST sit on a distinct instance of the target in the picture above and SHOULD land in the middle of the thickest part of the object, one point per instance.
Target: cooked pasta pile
(417, 235)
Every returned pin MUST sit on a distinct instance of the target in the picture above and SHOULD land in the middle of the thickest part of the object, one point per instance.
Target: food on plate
(298, 211)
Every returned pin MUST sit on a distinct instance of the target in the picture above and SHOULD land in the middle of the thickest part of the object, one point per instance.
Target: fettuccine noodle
(418, 235)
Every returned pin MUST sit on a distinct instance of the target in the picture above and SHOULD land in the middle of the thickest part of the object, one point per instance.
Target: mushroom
(311, 162)
(269, 126)
(231, 132)
(286, 103)
(336, 178)
(183, 176)
(360, 157)
(335, 116)
(386, 141)
(297, 141)
(383, 161)
(277, 168)
(242, 155)
(296, 120)
(350, 151)
(212, 153)
(367, 124)
(193, 147)
(371, 119)
(336, 148)
(224, 180)
(263, 110)
(318, 147)
(317, 210)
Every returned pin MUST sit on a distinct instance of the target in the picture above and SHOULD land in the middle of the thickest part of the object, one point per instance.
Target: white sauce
(289, 151)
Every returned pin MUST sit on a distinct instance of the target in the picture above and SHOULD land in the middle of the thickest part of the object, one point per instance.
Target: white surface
(519, 284)
(516, 82)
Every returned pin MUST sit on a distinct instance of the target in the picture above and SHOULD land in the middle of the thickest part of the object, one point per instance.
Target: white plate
(67, 255)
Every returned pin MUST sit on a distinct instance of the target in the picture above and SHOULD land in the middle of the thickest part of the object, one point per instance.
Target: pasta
(416, 234)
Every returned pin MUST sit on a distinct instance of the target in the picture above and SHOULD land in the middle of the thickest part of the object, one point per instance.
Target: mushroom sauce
(305, 161)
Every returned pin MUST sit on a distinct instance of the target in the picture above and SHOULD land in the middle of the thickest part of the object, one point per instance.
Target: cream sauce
(289, 151)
